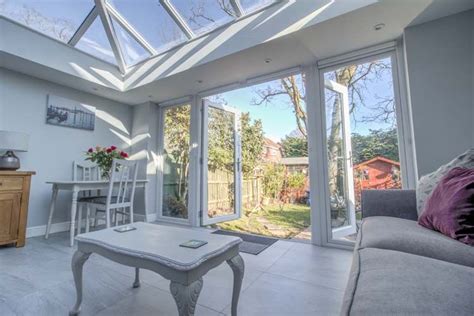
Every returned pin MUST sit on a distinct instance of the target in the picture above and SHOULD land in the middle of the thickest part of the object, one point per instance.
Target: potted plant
(104, 156)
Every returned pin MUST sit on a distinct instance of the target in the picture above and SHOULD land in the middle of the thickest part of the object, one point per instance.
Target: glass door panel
(362, 138)
(341, 188)
(175, 161)
(221, 164)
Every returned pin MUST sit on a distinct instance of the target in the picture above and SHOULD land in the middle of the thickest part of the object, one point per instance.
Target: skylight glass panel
(204, 15)
(150, 19)
(132, 51)
(58, 19)
(253, 5)
(96, 43)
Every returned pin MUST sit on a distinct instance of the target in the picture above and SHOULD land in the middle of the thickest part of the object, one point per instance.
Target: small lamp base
(9, 161)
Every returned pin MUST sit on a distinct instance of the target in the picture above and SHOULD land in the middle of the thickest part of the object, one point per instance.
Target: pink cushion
(450, 207)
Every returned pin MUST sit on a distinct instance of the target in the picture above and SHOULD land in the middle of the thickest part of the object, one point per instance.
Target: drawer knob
(1, 184)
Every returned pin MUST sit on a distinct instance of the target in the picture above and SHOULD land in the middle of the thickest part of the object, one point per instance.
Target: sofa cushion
(407, 236)
(450, 207)
(386, 282)
(427, 183)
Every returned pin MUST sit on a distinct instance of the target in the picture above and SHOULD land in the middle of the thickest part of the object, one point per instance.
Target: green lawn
(281, 221)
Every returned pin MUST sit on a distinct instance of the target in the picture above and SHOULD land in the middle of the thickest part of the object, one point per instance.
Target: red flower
(123, 154)
(113, 147)
(109, 150)
(90, 150)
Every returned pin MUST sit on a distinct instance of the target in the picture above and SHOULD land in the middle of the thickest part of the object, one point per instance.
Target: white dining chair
(85, 171)
(120, 195)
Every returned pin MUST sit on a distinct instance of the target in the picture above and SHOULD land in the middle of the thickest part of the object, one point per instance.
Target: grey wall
(440, 72)
(52, 149)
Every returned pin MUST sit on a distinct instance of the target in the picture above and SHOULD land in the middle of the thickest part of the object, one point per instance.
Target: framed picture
(69, 113)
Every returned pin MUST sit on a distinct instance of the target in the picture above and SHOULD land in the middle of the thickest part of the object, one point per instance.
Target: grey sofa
(401, 268)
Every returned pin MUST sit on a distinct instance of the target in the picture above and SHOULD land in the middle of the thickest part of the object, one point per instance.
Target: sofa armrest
(393, 203)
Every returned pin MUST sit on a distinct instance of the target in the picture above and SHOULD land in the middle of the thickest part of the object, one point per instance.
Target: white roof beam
(111, 35)
(177, 18)
(82, 29)
(131, 30)
(237, 7)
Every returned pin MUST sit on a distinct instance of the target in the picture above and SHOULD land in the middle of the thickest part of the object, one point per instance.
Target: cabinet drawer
(11, 184)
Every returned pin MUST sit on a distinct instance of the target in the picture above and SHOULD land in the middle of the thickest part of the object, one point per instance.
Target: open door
(221, 164)
(341, 182)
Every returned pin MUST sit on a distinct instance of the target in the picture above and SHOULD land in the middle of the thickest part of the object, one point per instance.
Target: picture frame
(69, 113)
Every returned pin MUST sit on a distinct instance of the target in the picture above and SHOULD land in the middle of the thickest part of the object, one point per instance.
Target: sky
(278, 118)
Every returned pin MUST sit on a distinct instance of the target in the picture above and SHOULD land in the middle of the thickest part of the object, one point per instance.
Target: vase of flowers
(104, 156)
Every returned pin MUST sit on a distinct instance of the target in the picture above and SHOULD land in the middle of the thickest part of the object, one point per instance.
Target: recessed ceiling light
(379, 26)
(268, 60)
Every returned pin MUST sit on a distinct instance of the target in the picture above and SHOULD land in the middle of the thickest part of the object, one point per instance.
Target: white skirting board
(36, 231)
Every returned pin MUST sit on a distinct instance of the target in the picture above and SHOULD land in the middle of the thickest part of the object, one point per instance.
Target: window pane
(177, 121)
(132, 51)
(221, 163)
(54, 18)
(204, 15)
(373, 136)
(95, 42)
(151, 20)
(254, 5)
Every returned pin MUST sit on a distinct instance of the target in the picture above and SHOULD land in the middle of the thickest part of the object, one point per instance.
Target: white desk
(75, 187)
(156, 248)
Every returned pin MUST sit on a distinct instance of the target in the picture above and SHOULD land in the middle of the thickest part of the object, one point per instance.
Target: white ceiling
(304, 43)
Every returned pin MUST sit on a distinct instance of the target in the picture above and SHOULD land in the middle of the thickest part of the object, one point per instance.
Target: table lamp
(12, 141)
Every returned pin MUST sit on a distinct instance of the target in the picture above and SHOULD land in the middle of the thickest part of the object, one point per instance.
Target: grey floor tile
(268, 257)
(12, 287)
(37, 303)
(37, 280)
(280, 296)
(5, 309)
(148, 300)
(319, 266)
(218, 284)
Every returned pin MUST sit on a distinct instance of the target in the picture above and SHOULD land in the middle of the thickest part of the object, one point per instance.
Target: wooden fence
(221, 188)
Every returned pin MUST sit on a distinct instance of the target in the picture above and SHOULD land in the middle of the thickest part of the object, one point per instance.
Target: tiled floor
(289, 278)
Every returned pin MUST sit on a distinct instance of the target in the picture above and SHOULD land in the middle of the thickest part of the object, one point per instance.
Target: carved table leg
(238, 267)
(136, 283)
(186, 296)
(77, 263)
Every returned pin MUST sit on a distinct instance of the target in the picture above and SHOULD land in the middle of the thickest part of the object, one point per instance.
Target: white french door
(341, 183)
(220, 164)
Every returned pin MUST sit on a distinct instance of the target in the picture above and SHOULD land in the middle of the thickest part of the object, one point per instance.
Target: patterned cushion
(427, 183)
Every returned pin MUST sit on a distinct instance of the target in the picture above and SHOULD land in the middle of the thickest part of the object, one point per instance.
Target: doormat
(251, 244)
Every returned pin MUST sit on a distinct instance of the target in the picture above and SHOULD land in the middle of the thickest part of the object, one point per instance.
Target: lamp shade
(15, 141)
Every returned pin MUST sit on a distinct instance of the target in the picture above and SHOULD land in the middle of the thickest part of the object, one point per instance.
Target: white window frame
(320, 221)
(160, 148)
(204, 217)
(321, 230)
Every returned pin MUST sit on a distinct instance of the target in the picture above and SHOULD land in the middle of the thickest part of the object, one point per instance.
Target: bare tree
(200, 15)
(356, 78)
(59, 28)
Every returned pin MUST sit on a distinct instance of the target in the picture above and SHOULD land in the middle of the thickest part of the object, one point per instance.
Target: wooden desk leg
(186, 296)
(77, 263)
(52, 207)
(238, 267)
(73, 216)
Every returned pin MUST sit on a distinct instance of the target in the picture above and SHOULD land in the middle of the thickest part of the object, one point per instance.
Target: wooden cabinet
(14, 196)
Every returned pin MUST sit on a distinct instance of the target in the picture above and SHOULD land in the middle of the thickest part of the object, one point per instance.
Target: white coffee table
(156, 248)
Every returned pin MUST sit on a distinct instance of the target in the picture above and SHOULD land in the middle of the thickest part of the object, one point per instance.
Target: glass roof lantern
(126, 32)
